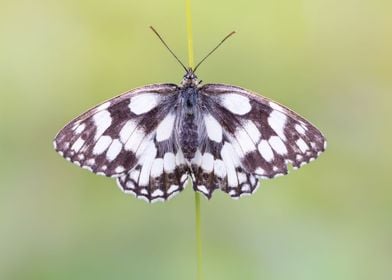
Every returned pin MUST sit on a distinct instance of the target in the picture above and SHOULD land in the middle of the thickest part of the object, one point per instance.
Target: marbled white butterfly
(154, 138)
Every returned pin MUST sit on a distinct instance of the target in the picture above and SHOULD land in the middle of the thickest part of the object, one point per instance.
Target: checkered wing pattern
(130, 137)
(249, 137)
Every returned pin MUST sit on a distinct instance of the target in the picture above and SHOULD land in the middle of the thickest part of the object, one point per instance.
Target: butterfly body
(154, 138)
(189, 116)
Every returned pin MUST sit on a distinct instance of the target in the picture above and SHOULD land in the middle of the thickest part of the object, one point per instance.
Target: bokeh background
(330, 61)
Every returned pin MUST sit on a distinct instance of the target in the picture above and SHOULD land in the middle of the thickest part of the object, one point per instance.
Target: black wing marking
(217, 166)
(259, 137)
(127, 137)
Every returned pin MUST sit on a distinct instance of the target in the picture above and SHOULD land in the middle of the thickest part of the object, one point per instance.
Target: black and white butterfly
(154, 138)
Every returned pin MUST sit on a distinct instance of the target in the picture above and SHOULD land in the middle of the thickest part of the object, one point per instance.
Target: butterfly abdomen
(189, 137)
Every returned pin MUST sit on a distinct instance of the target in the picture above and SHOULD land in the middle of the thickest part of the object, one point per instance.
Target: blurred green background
(330, 61)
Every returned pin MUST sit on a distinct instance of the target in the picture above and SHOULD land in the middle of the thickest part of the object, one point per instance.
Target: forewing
(259, 137)
(128, 137)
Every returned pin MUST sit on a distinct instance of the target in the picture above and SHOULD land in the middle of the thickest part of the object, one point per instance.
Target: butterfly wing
(250, 137)
(130, 137)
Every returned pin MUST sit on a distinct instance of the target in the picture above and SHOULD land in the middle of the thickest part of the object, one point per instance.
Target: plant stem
(198, 237)
(191, 63)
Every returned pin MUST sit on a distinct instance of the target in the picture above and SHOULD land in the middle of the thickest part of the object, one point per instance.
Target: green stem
(198, 237)
(191, 61)
(191, 64)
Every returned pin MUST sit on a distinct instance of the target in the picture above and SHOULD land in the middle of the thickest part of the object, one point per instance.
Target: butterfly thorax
(188, 122)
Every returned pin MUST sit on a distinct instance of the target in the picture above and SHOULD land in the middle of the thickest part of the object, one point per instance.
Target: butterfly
(155, 138)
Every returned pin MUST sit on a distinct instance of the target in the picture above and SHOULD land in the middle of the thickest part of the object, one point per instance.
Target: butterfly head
(190, 79)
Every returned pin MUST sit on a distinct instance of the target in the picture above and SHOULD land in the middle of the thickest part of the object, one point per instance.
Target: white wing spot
(78, 144)
(76, 124)
(143, 191)
(252, 180)
(252, 131)
(277, 121)
(276, 106)
(236, 103)
(103, 106)
(143, 145)
(130, 185)
(172, 188)
(90, 161)
(184, 177)
(143, 103)
(259, 171)
(134, 175)
(156, 193)
(134, 140)
(102, 120)
(80, 128)
(165, 127)
(169, 162)
(207, 163)
(299, 129)
(241, 178)
(114, 150)
(233, 192)
(127, 130)
(157, 168)
(266, 151)
(219, 168)
(203, 189)
(197, 158)
(245, 188)
(244, 141)
(278, 145)
(147, 160)
(214, 129)
(119, 169)
(302, 145)
(87, 168)
(102, 144)
(227, 154)
(180, 158)
(236, 150)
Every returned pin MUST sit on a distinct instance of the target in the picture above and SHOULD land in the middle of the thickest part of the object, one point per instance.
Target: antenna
(164, 43)
(214, 49)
